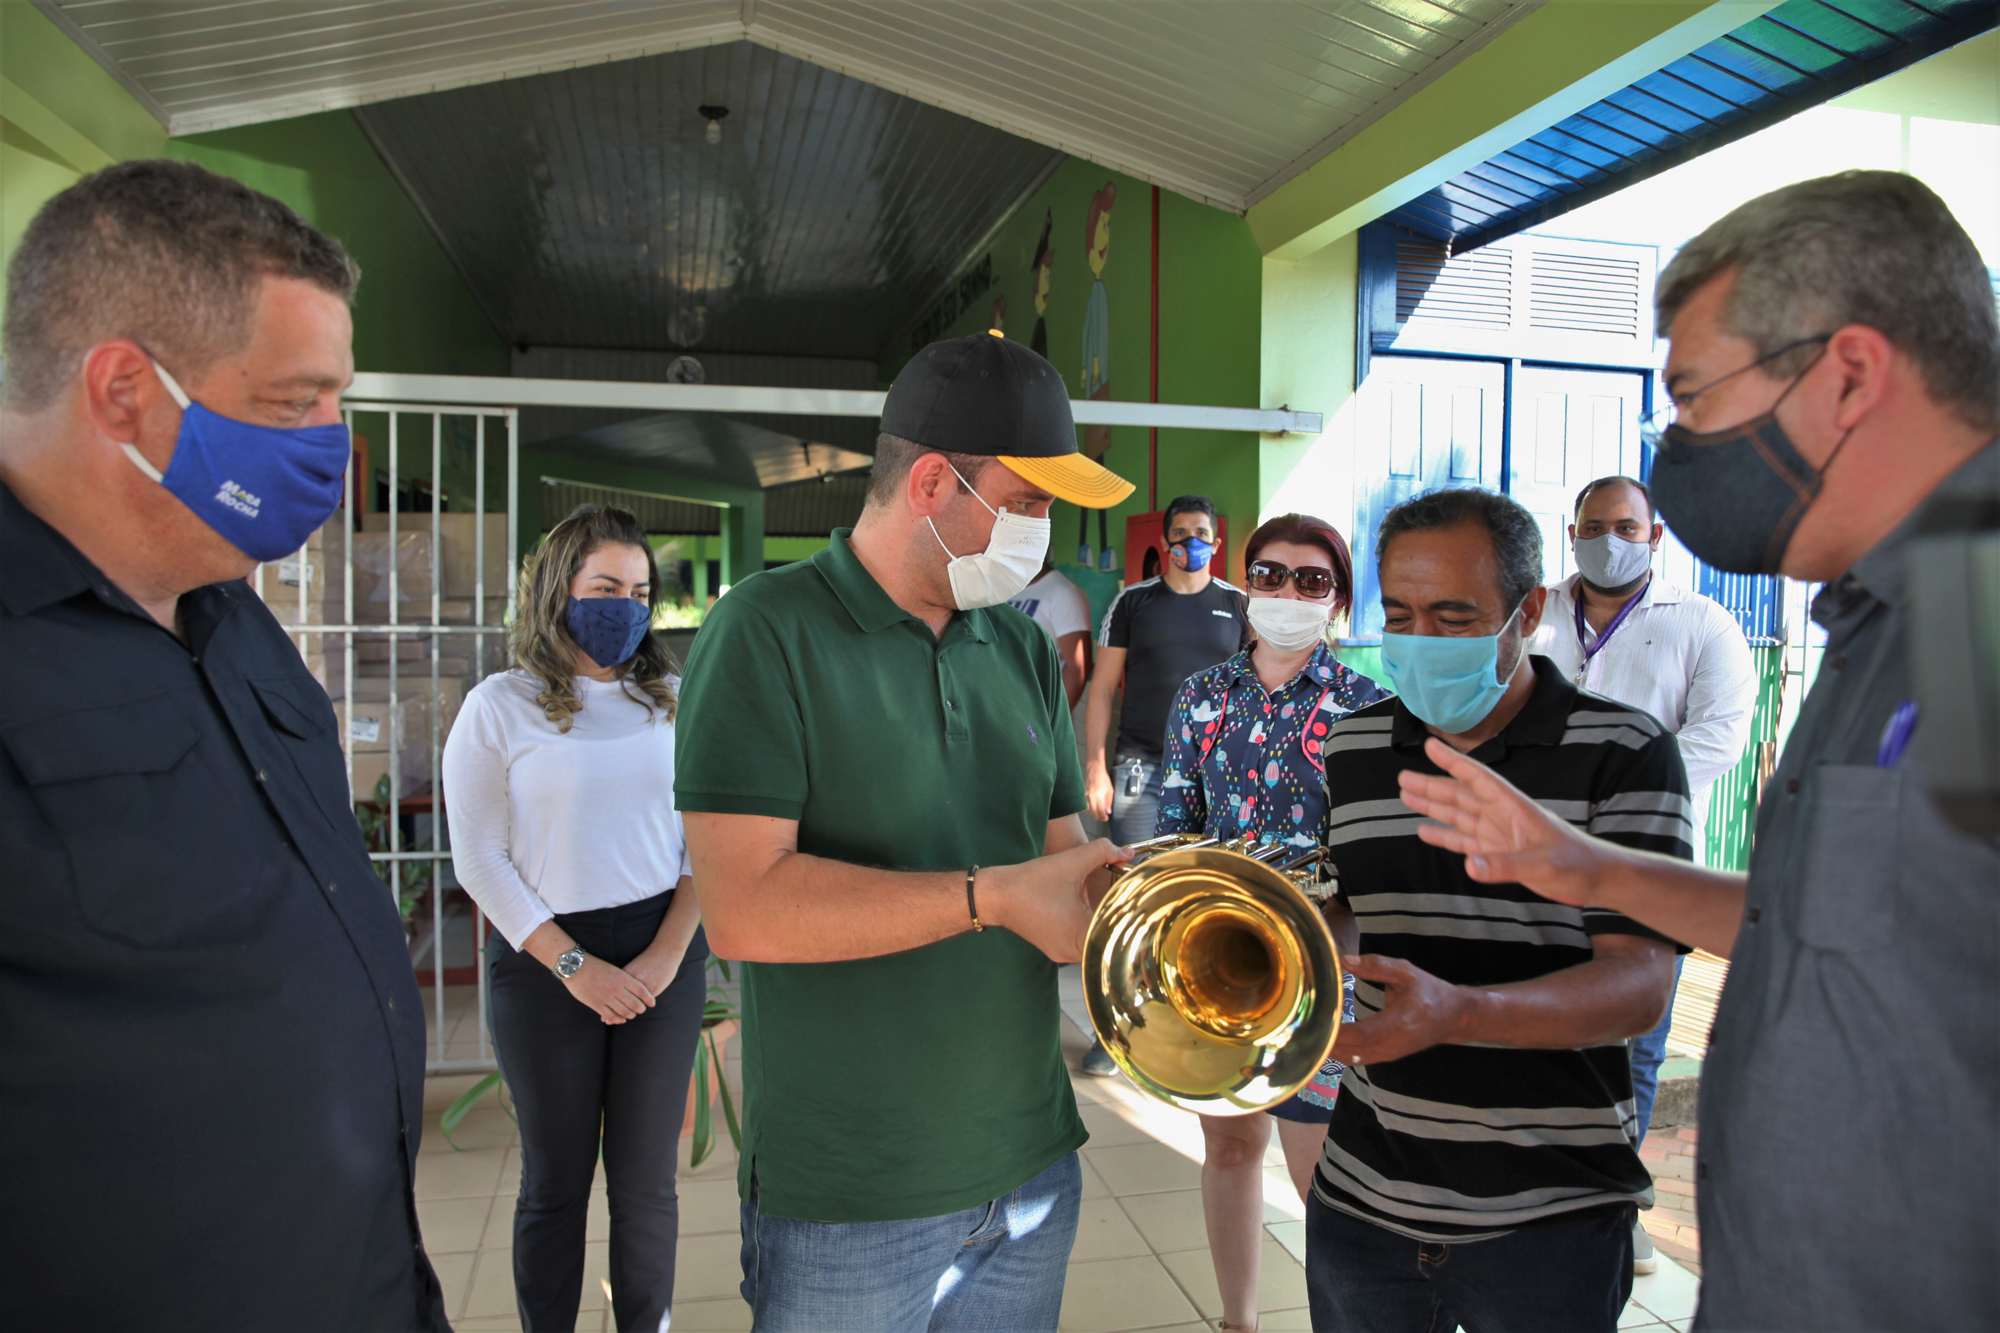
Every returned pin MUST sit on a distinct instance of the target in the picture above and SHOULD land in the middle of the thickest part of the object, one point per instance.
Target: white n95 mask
(1010, 562)
(1287, 624)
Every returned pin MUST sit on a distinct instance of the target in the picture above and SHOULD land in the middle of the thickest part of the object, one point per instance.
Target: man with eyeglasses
(1619, 630)
(1157, 633)
(1835, 366)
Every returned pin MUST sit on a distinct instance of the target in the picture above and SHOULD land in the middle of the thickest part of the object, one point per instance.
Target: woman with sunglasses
(1243, 760)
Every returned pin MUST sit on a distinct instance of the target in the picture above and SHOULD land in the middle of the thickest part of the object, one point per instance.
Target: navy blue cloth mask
(265, 489)
(609, 629)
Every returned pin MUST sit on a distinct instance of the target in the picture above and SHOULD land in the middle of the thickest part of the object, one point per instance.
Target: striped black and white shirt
(1469, 1142)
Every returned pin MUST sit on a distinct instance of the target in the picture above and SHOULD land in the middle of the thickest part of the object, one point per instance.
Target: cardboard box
(374, 559)
(371, 726)
(413, 771)
(321, 568)
(402, 647)
(457, 535)
(321, 565)
(373, 691)
(490, 610)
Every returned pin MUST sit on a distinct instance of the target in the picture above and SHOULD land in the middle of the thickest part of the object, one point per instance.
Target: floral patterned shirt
(1241, 761)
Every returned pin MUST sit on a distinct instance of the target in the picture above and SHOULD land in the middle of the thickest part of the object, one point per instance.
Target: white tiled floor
(1141, 1258)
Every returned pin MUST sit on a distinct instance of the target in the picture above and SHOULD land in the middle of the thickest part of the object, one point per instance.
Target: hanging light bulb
(713, 115)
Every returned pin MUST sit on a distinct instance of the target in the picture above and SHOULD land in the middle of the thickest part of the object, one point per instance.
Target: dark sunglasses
(1314, 581)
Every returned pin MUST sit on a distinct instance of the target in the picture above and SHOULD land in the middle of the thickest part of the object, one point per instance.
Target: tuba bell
(1210, 976)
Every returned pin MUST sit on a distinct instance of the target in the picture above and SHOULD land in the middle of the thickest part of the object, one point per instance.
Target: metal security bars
(402, 605)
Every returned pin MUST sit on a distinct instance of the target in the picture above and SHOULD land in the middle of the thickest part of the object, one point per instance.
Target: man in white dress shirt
(1618, 631)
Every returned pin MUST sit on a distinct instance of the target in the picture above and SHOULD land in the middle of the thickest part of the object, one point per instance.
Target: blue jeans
(1647, 1054)
(1570, 1274)
(1135, 798)
(998, 1268)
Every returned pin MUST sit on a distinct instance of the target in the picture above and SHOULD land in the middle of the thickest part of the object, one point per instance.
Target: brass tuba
(1210, 975)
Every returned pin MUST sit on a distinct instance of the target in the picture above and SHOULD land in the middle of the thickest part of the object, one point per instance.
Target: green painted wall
(412, 313)
(62, 116)
(1210, 280)
(792, 548)
(1308, 337)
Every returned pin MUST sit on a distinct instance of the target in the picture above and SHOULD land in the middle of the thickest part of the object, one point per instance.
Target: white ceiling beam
(444, 391)
(1131, 86)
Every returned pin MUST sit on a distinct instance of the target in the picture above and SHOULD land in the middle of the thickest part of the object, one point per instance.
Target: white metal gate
(393, 721)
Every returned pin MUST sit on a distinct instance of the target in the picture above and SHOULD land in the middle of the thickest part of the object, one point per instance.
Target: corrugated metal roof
(1797, 55)
(707, 447)
(797, 509)
(585, 209)
(1223, 102)
(815, 508)
(856, 434)
(658, 514)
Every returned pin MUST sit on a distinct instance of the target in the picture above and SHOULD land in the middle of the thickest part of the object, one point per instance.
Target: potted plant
(719, 1022)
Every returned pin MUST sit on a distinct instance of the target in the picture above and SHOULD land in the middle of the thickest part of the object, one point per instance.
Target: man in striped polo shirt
(1482, 1168)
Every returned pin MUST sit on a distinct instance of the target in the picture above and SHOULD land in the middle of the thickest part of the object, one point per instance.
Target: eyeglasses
(1314, 581)
(1654, 426)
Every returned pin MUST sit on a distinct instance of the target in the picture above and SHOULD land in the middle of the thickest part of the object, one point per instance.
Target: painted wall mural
(1038, 281)
(1097, 314)
(1083, 316)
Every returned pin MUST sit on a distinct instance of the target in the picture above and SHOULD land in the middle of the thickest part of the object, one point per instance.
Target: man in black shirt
(1157, 633)
(1482, 1166)
(213, 1043)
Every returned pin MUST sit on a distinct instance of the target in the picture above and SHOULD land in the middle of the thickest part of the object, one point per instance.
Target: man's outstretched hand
(1504, 837)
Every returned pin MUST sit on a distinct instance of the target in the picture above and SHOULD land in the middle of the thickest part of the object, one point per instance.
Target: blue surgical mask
(1451, 683)
(1195, 552)
(265, 489)
(609, 629)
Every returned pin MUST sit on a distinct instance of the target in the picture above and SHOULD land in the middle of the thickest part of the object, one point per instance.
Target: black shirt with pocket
(1167, 637)
(212, 1050)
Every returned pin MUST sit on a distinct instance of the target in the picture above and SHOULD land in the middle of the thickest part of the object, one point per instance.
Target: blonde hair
(541, 641)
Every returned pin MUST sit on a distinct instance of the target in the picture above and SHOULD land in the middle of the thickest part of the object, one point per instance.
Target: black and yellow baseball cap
(989, 396)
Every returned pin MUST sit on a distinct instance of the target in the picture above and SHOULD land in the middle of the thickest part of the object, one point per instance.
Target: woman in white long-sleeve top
(559, 780)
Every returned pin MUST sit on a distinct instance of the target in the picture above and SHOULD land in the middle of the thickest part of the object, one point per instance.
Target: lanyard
(1308, 743)
(1591, 650)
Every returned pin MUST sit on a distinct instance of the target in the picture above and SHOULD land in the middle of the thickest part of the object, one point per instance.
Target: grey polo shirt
(1850, 1103)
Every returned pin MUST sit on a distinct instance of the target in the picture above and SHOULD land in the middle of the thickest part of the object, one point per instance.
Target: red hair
(1100, 204)
(1305, 530)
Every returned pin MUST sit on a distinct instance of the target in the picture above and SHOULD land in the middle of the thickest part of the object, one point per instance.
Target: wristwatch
(569, 964)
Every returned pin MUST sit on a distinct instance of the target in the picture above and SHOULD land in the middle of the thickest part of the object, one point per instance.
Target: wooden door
(1424, 423)
(1570, 427)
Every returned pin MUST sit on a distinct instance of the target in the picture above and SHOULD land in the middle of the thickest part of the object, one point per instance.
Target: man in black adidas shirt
(1481, 1168)
(1157, 633)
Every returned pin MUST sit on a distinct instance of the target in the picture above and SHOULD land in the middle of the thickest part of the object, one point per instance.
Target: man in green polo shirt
(875, 764)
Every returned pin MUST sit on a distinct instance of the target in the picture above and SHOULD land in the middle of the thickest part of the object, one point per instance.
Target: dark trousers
(1568, 1275)
(571, 1074)
(1135, 797)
